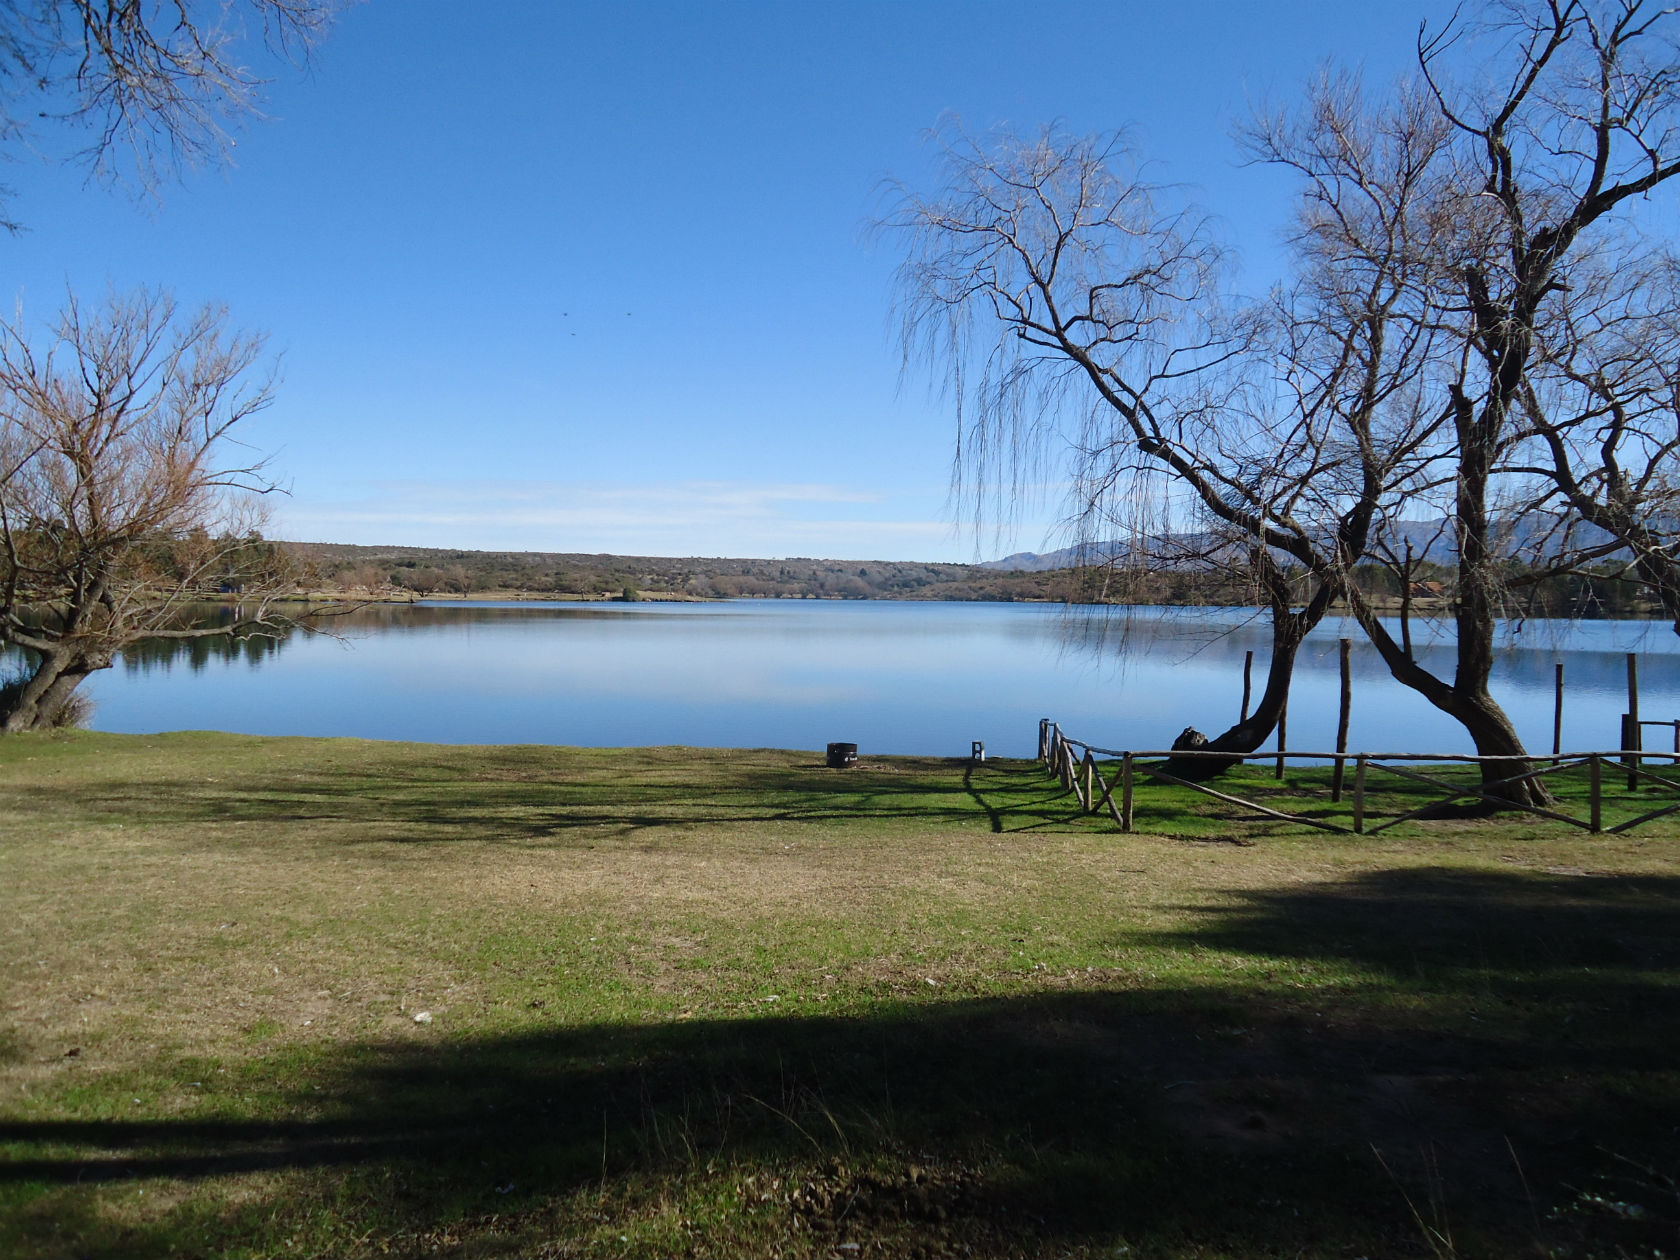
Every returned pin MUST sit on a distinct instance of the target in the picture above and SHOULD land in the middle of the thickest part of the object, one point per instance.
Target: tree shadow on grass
(1543, 930)
(1042, 1122)
(1508, 1044)
(451, 803)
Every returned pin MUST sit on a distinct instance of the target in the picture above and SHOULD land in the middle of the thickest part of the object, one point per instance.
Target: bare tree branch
(124, 502)
(154, 87)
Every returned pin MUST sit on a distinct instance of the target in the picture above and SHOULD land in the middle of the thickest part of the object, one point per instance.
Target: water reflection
(1595, 651)
(149, 655)
(913, 678)
(1190, 661)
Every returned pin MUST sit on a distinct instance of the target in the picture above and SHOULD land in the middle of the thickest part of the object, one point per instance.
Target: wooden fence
(1082, 773)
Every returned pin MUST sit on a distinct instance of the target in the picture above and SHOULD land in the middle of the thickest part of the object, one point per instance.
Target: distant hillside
(385, 571)
(407, 572)
(411, 572)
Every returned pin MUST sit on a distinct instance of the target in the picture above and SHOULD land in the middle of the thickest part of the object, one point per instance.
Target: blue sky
(550, 276)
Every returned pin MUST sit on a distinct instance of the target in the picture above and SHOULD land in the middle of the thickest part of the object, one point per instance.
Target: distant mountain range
(1040, 562)
(1431, 540)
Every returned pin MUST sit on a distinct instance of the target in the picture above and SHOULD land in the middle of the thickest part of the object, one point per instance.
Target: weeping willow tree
(1074, 309)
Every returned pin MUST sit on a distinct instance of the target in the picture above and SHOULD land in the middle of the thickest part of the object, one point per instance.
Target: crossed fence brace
(1081, 774)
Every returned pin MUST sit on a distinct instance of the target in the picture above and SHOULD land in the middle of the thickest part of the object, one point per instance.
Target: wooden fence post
(1090, 767)
(1359, 795)
(1634, 733)
(1283, 736)
(1126, 792)
(1557, 714)
(1342, 722)
(1595, 777)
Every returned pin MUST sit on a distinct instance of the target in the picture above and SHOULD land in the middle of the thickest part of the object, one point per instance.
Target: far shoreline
(354, 573)
(1422, 608)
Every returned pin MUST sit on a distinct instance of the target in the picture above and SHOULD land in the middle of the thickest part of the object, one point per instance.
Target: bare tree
(153, 86)
(1581, 123)
(1397, 373)
(124, 497)
(1518, 194)
(1600, 426)
(1067, 305)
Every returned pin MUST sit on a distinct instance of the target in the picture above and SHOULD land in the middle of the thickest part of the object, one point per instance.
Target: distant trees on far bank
(393, 571)
(437, 571)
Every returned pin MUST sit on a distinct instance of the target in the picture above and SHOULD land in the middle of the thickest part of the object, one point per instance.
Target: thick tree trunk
(1289, 631)
(1477, 619)
(1473, 706)
(1494, 736)
(1254, 730)
(37, 703)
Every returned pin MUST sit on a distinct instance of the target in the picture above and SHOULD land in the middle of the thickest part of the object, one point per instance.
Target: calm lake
(891, 677)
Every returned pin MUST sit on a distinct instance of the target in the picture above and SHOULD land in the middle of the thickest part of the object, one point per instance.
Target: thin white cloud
(685, 518)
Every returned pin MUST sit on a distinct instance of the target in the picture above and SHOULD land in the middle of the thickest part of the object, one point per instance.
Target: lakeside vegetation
(426, 571)
(410, 572)
(702, 1002)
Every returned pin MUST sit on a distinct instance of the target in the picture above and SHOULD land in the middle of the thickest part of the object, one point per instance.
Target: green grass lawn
(704, 1002)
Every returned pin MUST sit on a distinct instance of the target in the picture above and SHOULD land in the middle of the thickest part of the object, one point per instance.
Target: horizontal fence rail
(1078, 766)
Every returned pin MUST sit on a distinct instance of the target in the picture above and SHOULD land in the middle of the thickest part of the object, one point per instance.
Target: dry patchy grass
(688, 1001)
